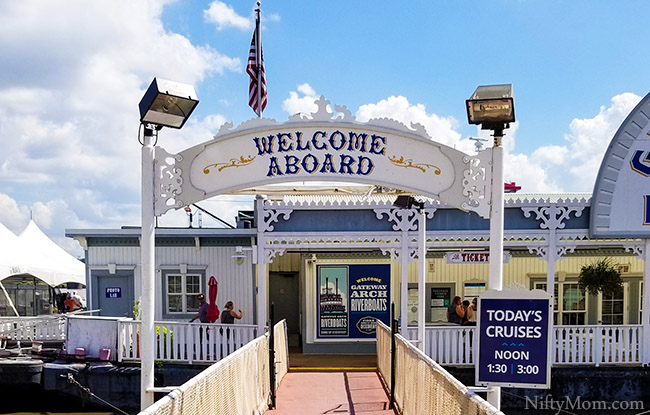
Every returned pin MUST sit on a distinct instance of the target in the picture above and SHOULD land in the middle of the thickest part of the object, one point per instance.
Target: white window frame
(626, 307)
(640, 302)
(558, 306)
(184, 292)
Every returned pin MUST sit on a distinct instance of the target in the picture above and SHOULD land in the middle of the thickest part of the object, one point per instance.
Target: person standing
(456, 311)
(229, 315)
(202, 314)
(70, 303)
(471, 314)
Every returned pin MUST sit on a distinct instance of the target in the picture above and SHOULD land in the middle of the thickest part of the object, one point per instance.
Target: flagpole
(258, 46)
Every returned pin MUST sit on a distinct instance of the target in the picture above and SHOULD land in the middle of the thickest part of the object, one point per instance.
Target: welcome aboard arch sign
(323, 148)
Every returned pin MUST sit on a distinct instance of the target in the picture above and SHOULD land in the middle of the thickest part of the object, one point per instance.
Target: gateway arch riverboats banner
(323, 147)
(351, 298)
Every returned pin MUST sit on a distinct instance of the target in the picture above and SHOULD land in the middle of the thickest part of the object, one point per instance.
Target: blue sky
(73, 72)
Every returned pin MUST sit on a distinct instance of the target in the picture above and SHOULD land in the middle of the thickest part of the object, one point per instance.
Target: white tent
(35, 253)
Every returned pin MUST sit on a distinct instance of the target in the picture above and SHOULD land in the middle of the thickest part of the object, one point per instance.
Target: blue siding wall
(332, 221)
(443, 220)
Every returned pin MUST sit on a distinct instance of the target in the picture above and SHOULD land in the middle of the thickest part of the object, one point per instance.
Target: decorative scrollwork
(552, 216)
(542, 251)
(406, 163)
(168, 181)
(271, 216)
(404, 219)
(270, 253)
(563, 250)
(234, 162)
(476, 182)
(635, 248)
(394, 253)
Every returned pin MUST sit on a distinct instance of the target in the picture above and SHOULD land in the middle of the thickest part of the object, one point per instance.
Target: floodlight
(167, 103)
(492, 106)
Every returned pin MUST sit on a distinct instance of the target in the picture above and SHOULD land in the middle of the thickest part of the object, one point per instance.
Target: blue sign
(369, 298)
(514, 340)
(113, 292)
(351, 298)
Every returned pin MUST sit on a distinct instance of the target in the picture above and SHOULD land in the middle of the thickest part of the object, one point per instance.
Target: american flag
(251, 69)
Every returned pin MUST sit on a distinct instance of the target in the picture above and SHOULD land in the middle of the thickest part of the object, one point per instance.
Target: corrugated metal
(518, 269)
(235, 281)
(289, 262)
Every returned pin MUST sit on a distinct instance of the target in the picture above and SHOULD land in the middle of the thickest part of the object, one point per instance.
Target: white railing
(422, 385)
(39, 328)
(597, 344)
(184, 342)
(447, 345)
(572, 345)
(238, 384)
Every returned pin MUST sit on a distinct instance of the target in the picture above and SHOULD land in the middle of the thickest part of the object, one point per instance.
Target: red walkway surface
(346, 392)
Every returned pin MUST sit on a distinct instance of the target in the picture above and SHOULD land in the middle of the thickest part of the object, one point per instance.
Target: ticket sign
(514, 342)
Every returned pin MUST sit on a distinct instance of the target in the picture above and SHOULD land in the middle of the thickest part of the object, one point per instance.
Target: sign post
(514, 339)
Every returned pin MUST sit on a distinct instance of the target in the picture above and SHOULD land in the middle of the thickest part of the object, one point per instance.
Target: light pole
(493, 107)
(165, 104)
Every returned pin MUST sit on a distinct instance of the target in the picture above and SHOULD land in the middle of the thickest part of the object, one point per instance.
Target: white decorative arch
(323, 147)
(621, 201)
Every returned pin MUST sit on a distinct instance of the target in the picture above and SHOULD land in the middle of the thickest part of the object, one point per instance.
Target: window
(569, 303)
(612, 311)
(182, 290)
(573, 304)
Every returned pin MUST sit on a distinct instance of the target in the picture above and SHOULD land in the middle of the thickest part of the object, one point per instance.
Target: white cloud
(73, 73)
(549, 169)
(301, 102)
(224, 16)
(574, 166)
(440, 129)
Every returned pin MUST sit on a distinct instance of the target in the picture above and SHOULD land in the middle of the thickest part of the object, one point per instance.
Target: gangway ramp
(331, 392)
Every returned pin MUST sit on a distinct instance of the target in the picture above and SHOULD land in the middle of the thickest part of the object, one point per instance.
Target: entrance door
(113, 293)
(283, 293)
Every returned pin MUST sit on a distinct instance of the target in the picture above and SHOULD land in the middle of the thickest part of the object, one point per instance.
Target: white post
(261, 269)
(147, 273)
(496, 236)
(404, 296)
(646, 305)
(422, 254)
(496, 218)
(551, 258)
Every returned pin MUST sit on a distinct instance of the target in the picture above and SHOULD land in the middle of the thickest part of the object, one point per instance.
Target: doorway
(114, 293)
(284, 294)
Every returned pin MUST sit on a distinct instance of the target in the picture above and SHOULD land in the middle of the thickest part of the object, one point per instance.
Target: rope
(74, 381)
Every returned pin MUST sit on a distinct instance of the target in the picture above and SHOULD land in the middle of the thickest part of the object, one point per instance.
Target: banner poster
(351, 298)
(333, 315)
(369, 298)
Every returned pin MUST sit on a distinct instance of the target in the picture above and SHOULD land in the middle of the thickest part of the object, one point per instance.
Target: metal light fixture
(491, 106)
(167, 103)
(239, 255)
(407, 202)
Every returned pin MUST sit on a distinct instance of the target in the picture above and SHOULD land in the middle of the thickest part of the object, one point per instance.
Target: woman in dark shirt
(228, 315)
(456, 311)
